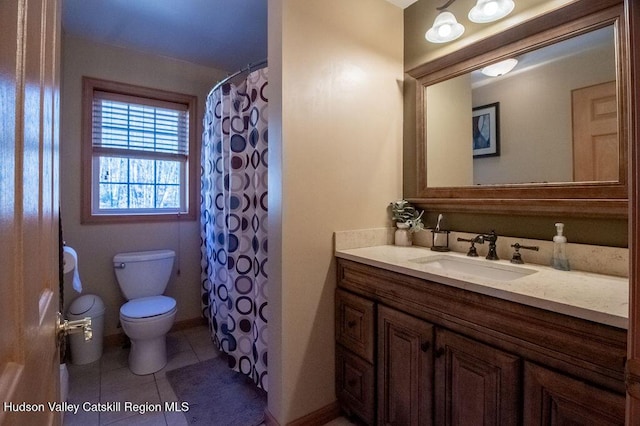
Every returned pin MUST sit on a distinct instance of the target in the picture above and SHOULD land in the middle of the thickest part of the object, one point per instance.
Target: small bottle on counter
(559, 259)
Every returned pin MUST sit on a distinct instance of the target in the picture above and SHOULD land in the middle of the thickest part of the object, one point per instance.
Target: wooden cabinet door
(405, 369)
(474, 384)
(552, 398)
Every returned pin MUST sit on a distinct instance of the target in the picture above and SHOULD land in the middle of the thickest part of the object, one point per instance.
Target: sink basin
(473, 267)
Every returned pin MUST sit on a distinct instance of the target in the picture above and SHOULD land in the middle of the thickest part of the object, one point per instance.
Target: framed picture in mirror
(486, 130)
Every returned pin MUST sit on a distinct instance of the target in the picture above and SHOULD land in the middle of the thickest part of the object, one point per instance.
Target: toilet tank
(143, 273)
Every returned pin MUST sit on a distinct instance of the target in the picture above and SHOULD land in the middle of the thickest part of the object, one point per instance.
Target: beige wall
(450, 159)
(335, 161)
(96, 244)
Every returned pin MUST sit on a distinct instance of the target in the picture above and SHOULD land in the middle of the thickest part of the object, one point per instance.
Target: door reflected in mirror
(557, 120)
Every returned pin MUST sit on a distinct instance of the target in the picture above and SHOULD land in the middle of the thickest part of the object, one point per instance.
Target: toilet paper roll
(69, 257)
(70, 263)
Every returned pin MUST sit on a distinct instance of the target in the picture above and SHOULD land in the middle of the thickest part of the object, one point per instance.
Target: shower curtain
(234, 223)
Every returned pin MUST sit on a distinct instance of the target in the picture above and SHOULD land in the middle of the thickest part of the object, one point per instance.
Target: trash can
(87, 351)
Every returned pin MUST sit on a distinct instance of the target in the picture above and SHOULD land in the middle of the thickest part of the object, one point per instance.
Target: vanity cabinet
(449, 356)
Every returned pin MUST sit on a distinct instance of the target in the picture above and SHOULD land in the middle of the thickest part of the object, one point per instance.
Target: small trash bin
(87, 351)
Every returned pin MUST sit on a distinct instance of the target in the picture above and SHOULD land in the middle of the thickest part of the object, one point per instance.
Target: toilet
(148, 316)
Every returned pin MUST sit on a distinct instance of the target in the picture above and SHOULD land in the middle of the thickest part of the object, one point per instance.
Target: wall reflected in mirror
(558, 119)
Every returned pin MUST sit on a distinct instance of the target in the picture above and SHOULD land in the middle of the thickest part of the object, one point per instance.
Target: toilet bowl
(148, 316)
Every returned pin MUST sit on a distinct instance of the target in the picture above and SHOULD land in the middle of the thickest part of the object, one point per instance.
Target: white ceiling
(223, 34)
(402, 3)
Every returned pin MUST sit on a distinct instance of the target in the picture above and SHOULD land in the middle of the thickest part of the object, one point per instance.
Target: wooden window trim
(89, 85)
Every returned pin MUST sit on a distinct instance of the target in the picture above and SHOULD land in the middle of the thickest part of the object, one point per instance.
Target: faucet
(491, 238)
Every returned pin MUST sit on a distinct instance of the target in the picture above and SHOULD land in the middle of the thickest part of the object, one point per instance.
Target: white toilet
(148, 315)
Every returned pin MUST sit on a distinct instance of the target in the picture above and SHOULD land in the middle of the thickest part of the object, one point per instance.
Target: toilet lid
(145, 307)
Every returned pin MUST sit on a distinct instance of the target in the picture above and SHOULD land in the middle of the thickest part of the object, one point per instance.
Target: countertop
(590, 296)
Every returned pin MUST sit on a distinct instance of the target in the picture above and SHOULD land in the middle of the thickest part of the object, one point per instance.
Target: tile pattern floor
(109, 380)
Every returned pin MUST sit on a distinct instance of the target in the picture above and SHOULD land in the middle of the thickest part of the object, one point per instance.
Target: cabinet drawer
(355, 324)
(355, 385)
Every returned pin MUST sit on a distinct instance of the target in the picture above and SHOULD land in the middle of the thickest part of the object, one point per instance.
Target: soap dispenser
(559, 259)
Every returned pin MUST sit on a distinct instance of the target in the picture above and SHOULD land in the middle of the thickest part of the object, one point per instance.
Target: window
(136, 153)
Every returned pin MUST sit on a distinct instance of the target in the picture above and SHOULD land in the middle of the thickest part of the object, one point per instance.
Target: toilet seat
(147, 307)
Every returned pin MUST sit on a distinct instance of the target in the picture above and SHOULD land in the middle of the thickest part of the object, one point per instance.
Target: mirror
(525, 138)
(533, 124)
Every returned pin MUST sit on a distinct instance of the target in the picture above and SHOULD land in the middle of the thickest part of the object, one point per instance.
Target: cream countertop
(590, 296)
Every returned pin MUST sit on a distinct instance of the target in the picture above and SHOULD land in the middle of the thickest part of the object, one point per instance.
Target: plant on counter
(404, 213)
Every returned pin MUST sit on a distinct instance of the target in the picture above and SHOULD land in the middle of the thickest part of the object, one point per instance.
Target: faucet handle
(472, 250)
(517, 257)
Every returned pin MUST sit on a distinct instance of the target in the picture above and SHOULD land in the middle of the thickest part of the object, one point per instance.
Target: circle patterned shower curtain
(234, 223)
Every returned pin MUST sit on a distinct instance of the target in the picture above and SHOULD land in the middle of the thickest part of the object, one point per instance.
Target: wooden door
(405, 369)
(595, 133)
(475, 384)
(29, 252)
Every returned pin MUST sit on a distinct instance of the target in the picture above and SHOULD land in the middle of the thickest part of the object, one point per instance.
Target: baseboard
(269, 420)
(317, 418)
(120, 339)
(188, 323)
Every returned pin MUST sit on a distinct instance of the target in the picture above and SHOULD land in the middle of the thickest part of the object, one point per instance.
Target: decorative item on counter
(408, 221)
(559, 259)
(439, 237)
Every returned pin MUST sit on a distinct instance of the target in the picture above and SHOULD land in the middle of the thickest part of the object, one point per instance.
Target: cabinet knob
(351, 323)
(424, 347)
(440, 352)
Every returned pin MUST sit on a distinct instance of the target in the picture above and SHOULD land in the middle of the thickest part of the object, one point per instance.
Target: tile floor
(109, 380)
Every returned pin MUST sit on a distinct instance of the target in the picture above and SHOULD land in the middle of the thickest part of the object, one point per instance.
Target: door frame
(632, 9)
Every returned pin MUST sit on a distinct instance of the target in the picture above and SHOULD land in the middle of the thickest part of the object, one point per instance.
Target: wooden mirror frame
(580, 199)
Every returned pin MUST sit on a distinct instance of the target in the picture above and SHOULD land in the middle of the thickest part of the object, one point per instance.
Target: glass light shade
(445, 28)
(490, 10)
(500, 68)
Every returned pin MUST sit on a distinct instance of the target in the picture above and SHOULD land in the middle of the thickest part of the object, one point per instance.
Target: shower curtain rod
(248, 68)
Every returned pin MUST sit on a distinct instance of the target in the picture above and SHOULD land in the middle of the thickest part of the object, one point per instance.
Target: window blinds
(130, 123)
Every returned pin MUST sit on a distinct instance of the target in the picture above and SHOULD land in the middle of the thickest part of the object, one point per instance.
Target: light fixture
(499, 68)
(490, 10)
(445, 28)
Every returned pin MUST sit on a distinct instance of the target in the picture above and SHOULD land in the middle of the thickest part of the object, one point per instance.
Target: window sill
(93, 219)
